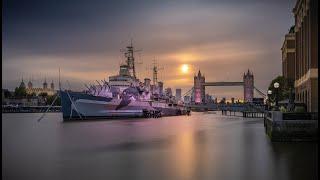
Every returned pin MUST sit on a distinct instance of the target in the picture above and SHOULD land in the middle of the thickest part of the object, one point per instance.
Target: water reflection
(201, 146)
(183, 158)
(297, 159)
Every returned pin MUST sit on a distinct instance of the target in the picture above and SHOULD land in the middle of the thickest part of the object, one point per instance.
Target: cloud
(222, 38)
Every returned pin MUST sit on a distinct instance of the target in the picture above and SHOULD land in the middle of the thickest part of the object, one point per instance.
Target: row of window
(304, 97)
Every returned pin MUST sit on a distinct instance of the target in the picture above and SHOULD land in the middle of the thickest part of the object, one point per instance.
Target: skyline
(222, 39)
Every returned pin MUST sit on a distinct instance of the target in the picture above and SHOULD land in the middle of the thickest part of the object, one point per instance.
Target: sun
(185, 68)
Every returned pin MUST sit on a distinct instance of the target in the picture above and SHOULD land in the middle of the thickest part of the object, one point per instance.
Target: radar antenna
(130, 61)
(155, 70)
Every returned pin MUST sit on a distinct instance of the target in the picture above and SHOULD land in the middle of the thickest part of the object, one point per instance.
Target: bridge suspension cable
(188, 92)
(261, 93)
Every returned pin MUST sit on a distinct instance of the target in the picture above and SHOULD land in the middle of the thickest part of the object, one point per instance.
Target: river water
(200, 146)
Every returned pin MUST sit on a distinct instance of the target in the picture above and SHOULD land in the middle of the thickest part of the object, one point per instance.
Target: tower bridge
(223, 83)
(198, 89)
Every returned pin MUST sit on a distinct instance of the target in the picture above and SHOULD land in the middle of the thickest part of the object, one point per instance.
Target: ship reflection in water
(200, 146)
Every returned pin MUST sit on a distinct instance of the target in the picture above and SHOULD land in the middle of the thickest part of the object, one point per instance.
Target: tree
(286, 85)
(43, 94)
(7, 94)
(20, 92)
(33, 94)
(51, 98)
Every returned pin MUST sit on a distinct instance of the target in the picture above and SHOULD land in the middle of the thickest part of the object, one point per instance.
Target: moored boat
(123, 96)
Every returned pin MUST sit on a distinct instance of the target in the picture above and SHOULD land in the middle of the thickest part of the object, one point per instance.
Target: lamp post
(269, 98)
(276, 86)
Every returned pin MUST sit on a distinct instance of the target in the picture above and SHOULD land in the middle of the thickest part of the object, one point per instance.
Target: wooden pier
(252, 114)
(246, 114)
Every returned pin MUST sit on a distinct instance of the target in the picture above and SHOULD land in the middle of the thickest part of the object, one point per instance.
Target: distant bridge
(222, 83)
(198, 90)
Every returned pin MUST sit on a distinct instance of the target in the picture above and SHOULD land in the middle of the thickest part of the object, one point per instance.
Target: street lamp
(269, 98)
(276, 86)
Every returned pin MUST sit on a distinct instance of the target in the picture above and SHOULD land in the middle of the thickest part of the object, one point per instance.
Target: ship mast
(59, 80)
(130, 59)
(155, 70)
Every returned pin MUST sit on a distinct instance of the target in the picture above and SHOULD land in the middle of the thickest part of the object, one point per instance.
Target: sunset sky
(222, 38)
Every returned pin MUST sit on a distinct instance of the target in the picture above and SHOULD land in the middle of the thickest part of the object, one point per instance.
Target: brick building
(306, 58)
(288, 55)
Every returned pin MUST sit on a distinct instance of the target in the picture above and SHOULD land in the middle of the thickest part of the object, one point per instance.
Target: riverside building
(306, 58)
(38, 90)
(288, 55)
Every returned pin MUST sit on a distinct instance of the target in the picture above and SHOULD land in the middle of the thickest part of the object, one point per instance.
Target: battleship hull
(77, 105)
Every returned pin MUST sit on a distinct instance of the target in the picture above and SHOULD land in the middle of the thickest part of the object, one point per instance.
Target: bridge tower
(248, 86)
(199, 88)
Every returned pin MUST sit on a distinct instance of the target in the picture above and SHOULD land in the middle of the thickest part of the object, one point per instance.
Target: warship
(123, 96)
